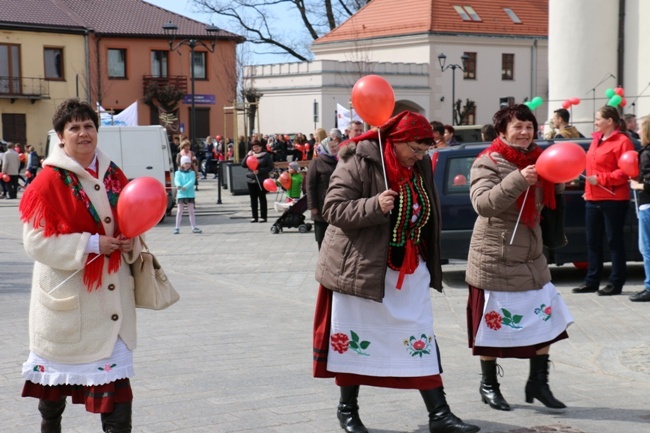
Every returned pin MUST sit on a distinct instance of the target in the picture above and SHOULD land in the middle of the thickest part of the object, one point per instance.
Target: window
(507, 66)
(53, 63)
(10, 68)
(117, 63)
(200, 69)
(159, 63)
(513, 16)
(467, 13)
(470, 67)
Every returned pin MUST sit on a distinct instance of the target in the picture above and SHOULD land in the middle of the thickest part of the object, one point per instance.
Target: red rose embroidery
(493, 320)
(340, 342)
(547, 310)
(419, 345)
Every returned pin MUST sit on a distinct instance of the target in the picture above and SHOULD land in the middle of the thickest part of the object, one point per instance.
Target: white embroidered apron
(393, 338)
(514, 319)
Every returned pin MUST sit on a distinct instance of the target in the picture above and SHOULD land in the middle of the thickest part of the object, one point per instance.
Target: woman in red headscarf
(378, 260)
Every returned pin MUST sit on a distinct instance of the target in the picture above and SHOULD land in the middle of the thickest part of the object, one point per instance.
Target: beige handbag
(153, 290)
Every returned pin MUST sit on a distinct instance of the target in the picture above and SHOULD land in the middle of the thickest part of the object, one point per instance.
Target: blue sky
(185, 7)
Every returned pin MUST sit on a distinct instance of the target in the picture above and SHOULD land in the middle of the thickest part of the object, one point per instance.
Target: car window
(457, 174)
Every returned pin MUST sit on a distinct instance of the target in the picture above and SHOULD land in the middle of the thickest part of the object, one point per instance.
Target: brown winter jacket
(494, 264)
(353, 255)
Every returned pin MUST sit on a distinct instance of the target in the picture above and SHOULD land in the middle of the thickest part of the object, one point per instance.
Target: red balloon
(629, 163)
(28, 174)
(619, 91)
(269, 185)
(21, 156)
(252, 163)
(460, 180)
(574, 101)
(142, 203)
(566, 104)
(373, 99)
(623, 102)
(285, 180)
(561, 162)
(6, 177)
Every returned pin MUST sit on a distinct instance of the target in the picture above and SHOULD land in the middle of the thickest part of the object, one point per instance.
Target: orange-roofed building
(493, 52)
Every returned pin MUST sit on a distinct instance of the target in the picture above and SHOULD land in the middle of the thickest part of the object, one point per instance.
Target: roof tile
(390, 18)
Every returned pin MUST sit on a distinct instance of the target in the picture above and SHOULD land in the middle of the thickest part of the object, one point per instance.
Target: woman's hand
(529, 174)
(126, 245)
(592, 180)
(636, 185)
(109, 244)
(387, 200)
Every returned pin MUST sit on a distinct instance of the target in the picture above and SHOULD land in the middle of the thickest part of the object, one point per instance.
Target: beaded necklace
(407, 220)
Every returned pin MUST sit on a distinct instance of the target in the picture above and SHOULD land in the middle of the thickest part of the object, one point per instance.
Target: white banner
(343, 117)
(128, 116)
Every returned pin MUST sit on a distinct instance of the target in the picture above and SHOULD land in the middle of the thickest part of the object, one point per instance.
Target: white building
(505, 41)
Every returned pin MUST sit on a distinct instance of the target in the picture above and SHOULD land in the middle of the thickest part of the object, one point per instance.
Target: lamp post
(442, 59)
(170, 30)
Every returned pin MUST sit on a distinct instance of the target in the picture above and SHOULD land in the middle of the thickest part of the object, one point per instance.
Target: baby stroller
(293, 217)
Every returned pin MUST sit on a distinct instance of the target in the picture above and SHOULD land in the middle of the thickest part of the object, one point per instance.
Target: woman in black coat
(255, 178)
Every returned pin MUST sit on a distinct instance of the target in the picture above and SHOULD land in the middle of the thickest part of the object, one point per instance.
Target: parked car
(451, 172)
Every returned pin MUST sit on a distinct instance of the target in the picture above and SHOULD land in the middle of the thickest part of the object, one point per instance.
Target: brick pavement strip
(234, 355)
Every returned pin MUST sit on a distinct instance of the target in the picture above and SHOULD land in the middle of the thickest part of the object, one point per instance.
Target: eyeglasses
(417, 151)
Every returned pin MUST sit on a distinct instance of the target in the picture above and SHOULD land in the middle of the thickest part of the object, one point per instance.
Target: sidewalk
(234, 355)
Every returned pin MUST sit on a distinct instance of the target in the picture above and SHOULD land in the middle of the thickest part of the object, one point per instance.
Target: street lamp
(442, 59)
(170, 30)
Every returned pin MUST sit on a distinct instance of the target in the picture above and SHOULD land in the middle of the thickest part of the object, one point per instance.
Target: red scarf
(522, 159)
(51, 204)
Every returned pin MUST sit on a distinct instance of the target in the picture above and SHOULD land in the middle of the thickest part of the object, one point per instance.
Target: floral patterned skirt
(515, 324)
(389, 343)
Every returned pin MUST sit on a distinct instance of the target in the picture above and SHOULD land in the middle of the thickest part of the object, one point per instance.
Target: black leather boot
(537, 385)
(441, 420)
(348, 410)
(489, 389)
(51, 412)
(118, 421)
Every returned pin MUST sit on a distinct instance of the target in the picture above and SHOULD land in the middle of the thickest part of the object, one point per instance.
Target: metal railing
(24, 87)
(178, 81)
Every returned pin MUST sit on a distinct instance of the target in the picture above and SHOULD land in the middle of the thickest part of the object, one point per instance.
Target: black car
(451, 172)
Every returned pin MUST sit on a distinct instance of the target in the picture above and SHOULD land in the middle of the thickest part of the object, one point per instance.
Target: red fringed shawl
(522, 159)
(56, 202)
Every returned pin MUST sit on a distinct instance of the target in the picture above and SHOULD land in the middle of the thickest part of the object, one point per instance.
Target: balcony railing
(178, 81)
(24, 88)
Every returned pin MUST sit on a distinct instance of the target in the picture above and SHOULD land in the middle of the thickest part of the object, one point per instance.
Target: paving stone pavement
(234, 355)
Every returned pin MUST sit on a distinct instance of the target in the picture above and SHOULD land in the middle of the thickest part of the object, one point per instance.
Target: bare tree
(258, 21)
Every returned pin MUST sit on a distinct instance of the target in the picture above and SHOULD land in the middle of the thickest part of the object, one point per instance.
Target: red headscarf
(406, 126)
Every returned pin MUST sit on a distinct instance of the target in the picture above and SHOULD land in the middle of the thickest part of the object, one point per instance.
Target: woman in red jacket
(607, 196)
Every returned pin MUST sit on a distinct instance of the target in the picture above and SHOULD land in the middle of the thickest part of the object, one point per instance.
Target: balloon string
(519, 217)
(383, 163)
(258, 181)
(75, 273)
(599, 185)
(636, 204)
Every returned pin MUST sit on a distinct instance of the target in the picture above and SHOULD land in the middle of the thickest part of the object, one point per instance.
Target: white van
(138, 151)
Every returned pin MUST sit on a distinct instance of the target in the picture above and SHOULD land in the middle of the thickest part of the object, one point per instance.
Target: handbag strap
(144, 244)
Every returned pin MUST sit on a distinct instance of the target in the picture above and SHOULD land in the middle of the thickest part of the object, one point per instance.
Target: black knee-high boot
(51, 412)
(441, 420)
(537, 385)
(118, 421)
(348, 410)
(489, 389)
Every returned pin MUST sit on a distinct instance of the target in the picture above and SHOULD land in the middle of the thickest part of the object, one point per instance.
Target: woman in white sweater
(82, 320)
